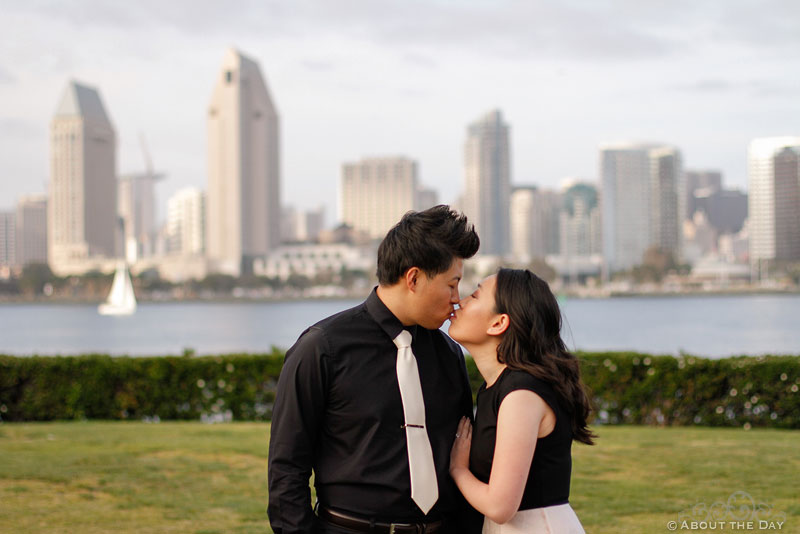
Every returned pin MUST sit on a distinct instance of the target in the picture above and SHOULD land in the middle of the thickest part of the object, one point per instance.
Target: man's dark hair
(429, 239)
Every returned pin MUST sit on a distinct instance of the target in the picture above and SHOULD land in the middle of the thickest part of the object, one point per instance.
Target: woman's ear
(499, 325)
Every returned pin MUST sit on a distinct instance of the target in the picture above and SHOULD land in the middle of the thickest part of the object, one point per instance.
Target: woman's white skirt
(560, 519)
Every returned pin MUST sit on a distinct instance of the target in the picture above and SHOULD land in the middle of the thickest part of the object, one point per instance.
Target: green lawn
(193, 478)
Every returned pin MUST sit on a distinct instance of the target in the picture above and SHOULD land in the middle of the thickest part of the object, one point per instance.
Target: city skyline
(567, 78)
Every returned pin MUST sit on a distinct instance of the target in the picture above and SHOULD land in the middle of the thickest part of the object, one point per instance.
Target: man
(349, 405)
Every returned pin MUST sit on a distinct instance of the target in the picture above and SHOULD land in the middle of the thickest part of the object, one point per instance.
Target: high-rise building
(667, 199)
(302, 226)
(8, 240)
(643, 202)
(136, 204)
(82, 197)
(580, 229)
(32, 230)
(774, 199)
(487, 192)
(244, 207)
(427, 198)
(186, 222)
(725, 209)
(375, 193)
(700, 183)
(534, 220)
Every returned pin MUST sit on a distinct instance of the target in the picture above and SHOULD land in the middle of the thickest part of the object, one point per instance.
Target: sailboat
(121, 300)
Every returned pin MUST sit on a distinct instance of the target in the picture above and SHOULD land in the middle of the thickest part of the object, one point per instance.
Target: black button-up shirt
(339, 412)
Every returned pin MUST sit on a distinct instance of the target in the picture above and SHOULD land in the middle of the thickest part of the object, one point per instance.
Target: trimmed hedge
(628, 388)
(633, 388)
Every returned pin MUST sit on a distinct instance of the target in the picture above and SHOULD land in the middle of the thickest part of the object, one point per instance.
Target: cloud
(19, 127)
(760, 88)
(317, 65)
(5, 76)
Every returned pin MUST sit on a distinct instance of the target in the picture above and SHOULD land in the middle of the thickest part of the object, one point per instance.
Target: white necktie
(424, 487)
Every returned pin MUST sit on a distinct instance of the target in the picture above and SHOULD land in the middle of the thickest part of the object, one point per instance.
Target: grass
(98, 477)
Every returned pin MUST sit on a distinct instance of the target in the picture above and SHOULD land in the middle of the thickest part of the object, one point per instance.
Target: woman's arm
(521, 413)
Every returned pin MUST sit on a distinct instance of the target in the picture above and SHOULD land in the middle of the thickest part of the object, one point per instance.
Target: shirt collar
(385, 318)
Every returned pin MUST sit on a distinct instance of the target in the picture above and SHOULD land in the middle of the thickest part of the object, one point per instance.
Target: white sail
(121, 300)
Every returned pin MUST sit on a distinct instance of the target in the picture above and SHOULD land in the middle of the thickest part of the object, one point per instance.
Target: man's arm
(296, 418)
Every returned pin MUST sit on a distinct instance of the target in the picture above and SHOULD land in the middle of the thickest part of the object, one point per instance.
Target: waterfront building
(580, 229)
(375, 193)
(427, 198)
(301, 225)
(773, 201)
(82, 193)
(726, 209)
(313, 260)
(534, 218)
(642, 201)
(700, 182)
(31, 222)
(487, 191)
(243, 198)
(186, 222)
(136, 205)
(8, 242)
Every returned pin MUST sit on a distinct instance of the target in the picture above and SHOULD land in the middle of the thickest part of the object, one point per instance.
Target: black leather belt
(364, 525)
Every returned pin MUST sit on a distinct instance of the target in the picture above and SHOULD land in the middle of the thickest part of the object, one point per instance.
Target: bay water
(708, 325)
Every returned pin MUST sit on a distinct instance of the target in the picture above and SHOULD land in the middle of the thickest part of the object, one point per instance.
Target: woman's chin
(453, 332)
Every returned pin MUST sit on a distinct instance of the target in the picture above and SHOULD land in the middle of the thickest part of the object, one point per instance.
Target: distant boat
(121, 300)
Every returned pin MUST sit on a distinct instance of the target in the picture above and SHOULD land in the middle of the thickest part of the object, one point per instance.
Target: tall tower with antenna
(137, 208)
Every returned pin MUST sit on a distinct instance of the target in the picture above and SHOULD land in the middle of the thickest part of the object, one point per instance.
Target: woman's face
(476, 313)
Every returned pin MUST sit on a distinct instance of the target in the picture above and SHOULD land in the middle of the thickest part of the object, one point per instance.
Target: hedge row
(625, 388)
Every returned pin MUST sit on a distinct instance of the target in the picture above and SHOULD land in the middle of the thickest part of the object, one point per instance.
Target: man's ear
(499, 325)
(412, 278)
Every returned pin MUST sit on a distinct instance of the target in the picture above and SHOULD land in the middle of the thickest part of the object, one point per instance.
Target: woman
(515, 466)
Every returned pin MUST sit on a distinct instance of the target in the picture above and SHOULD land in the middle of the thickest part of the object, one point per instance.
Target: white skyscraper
(642, 202)
(32, 230)
(82, 201)
(375, 193)
(774, 200)
(534, 223)
(487, 191)
(243, 168)
(186, 222)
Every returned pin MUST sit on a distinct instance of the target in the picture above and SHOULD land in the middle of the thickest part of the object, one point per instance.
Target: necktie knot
(403, 339)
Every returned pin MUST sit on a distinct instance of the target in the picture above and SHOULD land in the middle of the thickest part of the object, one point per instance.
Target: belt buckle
(419, 528)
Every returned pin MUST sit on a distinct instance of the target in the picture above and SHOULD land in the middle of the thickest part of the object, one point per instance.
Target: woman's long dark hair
(533, 343)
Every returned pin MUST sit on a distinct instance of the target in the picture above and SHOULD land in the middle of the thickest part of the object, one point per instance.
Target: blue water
(713, 326)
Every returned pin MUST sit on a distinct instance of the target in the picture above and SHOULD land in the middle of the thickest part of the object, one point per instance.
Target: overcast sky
(369, 78)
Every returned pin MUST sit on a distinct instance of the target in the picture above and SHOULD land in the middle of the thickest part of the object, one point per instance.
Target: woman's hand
(459, 456)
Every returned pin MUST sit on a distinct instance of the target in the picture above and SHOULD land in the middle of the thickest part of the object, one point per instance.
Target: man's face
(436, 296)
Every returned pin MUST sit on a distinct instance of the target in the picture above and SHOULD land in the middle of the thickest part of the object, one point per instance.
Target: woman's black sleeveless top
(549, 474)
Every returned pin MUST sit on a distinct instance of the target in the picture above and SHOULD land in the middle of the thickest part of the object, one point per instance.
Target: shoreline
(569, 294)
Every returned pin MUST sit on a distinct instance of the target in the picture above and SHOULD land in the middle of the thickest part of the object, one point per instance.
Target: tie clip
(411, 426)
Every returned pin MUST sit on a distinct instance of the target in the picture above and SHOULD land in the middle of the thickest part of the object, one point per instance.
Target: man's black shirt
(338, 410)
